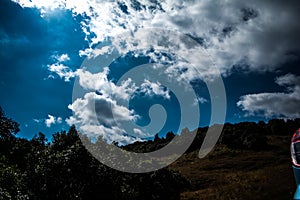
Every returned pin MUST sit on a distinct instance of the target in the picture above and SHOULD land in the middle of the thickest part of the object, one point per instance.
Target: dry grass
(237, 174)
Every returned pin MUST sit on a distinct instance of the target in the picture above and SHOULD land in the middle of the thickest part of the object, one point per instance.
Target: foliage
(64, 169)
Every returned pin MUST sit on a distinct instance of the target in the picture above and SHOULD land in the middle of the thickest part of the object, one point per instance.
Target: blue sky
(43, 47)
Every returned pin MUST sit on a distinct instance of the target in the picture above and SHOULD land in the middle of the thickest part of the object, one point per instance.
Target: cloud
(51, 120)
(58, 68)
(150, 88)
(44, 6)
(140, 133)
(61, 58)
(99, 112)
(234, 33)
(200, 100)
(93, 53)
(280, 104)
(288, 80)
(97, 115)
(62, 71)
(99, 82)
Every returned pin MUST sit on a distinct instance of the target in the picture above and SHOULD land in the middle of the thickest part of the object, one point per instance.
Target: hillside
(250, 161)
(240, 174)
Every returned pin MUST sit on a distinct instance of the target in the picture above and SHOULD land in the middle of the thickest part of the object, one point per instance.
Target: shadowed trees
(64, 169)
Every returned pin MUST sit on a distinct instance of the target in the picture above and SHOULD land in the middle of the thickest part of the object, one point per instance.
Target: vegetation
(64, 169)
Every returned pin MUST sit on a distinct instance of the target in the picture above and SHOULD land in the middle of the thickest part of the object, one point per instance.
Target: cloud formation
(280, 104)
(51, 120)
(150, 88)
(99, 112)
(60, 69)
(235, 33)
(99, 82)
(97, 115)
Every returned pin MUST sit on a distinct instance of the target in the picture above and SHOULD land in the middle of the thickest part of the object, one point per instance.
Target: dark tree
(8, 127)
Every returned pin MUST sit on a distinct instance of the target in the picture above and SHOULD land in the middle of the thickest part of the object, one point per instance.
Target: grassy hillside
(240, 174)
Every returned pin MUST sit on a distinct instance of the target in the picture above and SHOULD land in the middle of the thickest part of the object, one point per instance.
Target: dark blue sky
(27, 43)
(29, 91)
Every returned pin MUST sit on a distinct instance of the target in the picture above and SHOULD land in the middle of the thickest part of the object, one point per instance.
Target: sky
(106, 65)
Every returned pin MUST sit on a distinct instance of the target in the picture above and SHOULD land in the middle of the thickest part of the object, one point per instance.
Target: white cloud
(97, 115)
(100, 82)
(234, 33)
(52, 120)
(60, 69)
(93, 53)
(280, 104)
(61, 58)
(43, 5)
(151, 88)
(100, 114)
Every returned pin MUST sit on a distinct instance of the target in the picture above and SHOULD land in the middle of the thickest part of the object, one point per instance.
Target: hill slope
(240, 174)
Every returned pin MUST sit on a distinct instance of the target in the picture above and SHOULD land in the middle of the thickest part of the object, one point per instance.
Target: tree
(169, 136)
(156, 138)
(8, 127)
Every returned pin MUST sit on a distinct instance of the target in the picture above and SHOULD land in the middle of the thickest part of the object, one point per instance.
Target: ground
(239, 174)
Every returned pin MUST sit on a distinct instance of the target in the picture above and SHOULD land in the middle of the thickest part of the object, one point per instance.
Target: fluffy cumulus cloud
(280, 104)
(100, 113)
(51, 120)
(97, 115)
(99, 82)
